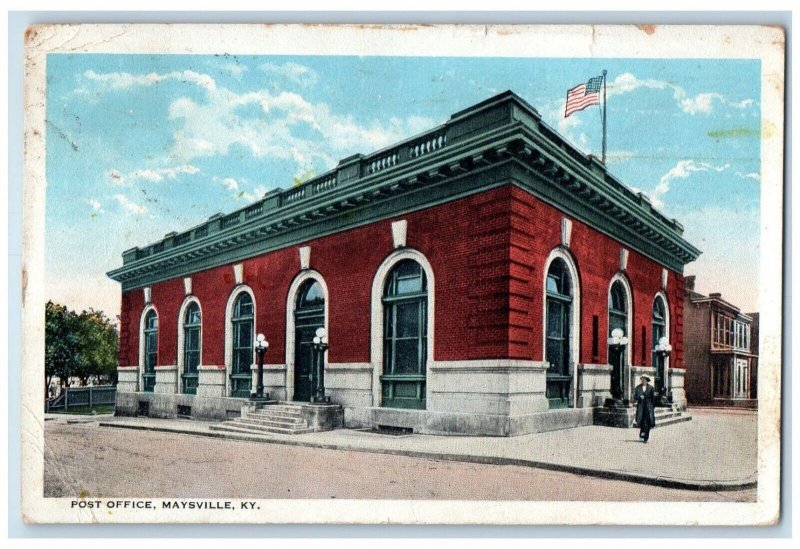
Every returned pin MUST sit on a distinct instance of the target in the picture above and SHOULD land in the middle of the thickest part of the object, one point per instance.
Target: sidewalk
(711, 452)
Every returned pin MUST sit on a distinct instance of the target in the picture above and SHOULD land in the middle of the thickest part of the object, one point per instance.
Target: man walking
(645, 407)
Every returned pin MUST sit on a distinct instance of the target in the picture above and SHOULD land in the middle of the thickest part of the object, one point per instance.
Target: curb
(664, 482)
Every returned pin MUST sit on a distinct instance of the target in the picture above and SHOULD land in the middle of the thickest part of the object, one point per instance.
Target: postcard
(373, 274)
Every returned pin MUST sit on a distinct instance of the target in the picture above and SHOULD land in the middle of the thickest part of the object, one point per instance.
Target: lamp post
(261, 346)
(618, 341)
(320, 345)
(663, 350)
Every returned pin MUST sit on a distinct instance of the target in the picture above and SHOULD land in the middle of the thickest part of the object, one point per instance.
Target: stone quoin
(468, 278)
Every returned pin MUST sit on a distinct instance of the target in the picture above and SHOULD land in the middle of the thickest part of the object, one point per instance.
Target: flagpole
(604, 115)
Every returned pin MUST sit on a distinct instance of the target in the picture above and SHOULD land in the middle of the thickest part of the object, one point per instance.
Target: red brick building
(468, 279)
(722, 345)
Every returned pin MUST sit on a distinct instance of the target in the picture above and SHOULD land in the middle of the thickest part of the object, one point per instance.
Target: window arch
(405, 336)
(561, 278)
(660, 328)
(309, 316)
(242, 328)
(402, 329)
(620, 318)
(309, 293)
(150, 350)
(191, 347)
(558, 332)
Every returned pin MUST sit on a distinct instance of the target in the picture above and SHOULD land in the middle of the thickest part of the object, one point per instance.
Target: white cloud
(285, 124)
(231, 184)
(256, 194)
(130, 206)
(125, 80)
(152, 174)
(95, 204)
(682, 170)
(699, 103)
(294, 72)
(210, 128)
(754, 176)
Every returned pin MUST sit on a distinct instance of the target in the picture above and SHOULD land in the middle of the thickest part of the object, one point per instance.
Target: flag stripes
(579, 97)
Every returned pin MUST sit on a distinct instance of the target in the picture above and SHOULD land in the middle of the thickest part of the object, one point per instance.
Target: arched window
(617, 320)
(659, 331)
(405, 336)
(557, 333)
(191, 348)
(150, 351)
(309, 315)
(242, 355)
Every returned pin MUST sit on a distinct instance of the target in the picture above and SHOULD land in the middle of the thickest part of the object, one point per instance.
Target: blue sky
(141, 145)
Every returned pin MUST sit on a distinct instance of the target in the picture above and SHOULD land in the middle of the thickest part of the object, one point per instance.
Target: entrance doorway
(617, 354)
(309, 315)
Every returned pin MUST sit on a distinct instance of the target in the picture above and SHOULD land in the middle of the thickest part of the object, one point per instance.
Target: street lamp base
(616, 403)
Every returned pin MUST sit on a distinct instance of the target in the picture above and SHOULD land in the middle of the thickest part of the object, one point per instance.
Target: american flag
(583, 95)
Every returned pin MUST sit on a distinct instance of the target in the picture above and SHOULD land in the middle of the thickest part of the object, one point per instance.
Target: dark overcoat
(645, 403)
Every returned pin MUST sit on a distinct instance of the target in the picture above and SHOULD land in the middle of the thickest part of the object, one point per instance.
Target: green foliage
(82, 345)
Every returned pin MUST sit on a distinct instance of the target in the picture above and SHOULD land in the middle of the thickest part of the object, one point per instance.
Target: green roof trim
(499, 141)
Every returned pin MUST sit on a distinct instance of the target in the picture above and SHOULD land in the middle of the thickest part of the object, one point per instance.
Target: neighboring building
(721, 351)
(435, 266)
(754, 325)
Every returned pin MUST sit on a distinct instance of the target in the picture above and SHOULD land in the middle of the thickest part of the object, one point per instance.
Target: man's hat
(647, 379)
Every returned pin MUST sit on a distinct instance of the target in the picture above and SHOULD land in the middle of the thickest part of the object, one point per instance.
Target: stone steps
(669, 416)
(299, 423)
(276, 415)
(286, 419)
(234, 427)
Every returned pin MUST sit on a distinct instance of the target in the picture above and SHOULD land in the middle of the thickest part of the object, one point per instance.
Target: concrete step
(274, 414)
(284, 407)
(271, 423)
(238, 427)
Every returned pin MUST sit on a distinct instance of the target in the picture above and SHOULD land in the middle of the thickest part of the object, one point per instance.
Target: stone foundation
(594, 384)
(677, 387)
(166, 405)
(166, 380)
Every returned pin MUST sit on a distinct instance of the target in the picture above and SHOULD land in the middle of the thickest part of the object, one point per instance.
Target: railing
(427, 145)
(366, 166)
(294, 195)
(83, 397)
(386, 161)
(254, 210)
(325, 184)
(229, 220)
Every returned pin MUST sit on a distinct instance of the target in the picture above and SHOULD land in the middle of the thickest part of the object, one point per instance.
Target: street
(90, 461)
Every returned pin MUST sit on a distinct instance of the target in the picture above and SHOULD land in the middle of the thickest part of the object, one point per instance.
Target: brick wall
(487, 252)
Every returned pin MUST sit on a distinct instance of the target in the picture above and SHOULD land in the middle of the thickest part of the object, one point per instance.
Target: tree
(79, 345)
(98, 341)
(61, 343)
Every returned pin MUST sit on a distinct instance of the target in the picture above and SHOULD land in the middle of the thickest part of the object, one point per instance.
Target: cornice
(498, 141)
